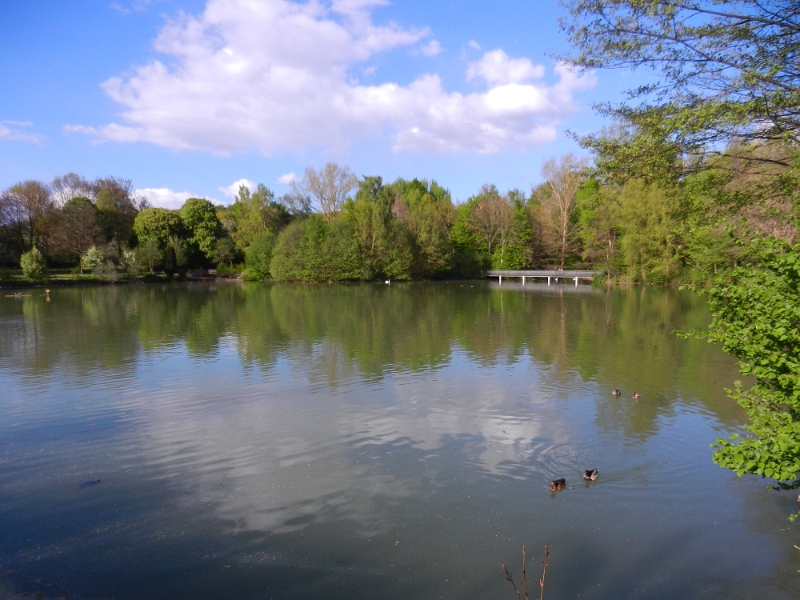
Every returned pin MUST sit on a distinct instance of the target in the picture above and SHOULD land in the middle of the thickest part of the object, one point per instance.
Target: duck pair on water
(635, 395)
(559, 484)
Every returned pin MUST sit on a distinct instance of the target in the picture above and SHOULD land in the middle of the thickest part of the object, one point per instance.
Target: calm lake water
(371, 441)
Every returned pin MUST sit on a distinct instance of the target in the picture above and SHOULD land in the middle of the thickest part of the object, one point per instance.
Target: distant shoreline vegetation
(335, 226)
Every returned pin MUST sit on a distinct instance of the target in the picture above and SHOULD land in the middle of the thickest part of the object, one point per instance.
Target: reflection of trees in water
(84, 329)
(618, 338)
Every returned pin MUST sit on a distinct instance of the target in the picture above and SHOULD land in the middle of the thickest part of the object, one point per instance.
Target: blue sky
(188, 97)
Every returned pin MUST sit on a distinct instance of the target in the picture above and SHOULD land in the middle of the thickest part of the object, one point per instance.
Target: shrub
(229, 270)
(107, 272)
(92, 259)
(129, 263)
(287, 259)
(259, 256)
(318, 250)
(33, 264)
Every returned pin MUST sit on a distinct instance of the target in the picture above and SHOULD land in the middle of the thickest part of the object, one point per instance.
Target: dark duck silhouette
(558, 484)
(591, 474)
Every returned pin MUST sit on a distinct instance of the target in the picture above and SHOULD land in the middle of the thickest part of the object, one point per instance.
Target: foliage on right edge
(756, 317)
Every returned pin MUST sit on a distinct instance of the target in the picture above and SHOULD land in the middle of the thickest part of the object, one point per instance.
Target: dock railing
(551, 274)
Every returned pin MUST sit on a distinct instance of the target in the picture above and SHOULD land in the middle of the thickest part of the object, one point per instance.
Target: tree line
(336, 226)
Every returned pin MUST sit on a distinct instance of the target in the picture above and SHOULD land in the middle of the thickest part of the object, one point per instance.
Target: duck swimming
(635, 396)
(616, 392)
(558, 484)
(591, 474)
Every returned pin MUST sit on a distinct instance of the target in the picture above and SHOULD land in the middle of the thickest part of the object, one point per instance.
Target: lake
(371, 441)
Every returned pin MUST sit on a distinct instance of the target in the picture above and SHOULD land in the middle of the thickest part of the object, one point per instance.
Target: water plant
(524, 582)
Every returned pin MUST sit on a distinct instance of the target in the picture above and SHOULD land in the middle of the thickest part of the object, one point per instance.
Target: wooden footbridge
(554, 274)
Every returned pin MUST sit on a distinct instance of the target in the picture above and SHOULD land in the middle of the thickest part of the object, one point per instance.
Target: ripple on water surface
(288, 454)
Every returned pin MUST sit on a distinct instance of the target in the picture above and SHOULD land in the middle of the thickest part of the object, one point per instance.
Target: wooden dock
(554, 274)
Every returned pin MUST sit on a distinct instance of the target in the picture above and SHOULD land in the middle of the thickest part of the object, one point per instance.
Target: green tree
(384, 241)
(757, 319)
(597, 207)
(648, 226)
(158, 224)
(254, 213)
(707, 220)
(427, 211)
(469, 252)
(259, 256)
(149, 252)
(500, 223)
(372, 190)
(33, 264)
(203, 227)
(176, 255)
(225, 251)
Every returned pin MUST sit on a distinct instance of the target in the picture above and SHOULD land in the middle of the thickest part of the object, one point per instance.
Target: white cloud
(137, 5)
(497, 68)
(432, 48)
(474, 45)
(227, 87)
(165, 197)
(14, 134)
(287, 178)
(233, 189)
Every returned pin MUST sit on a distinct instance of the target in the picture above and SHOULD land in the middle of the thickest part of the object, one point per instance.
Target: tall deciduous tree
(597, 213)
(12, 235)
(646, 216)
(563, 179)
(149, 252)
(69, 186)
(117, 207)
(328, 188)
(31, 202)
(495, 220)
(77, 227)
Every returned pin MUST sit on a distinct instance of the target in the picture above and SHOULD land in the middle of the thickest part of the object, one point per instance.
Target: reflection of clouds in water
(277, 454)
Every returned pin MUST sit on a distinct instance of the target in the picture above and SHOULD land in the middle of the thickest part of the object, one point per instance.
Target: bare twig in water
(510, 577)
(524, 575)
(545, 562)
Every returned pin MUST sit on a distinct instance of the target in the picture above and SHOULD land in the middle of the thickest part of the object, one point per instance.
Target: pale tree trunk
(564, 178)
